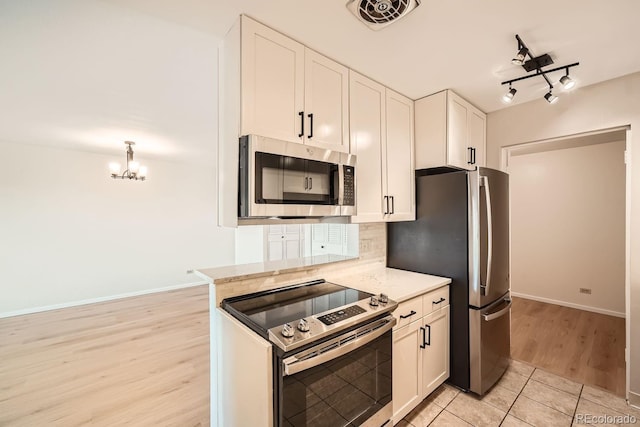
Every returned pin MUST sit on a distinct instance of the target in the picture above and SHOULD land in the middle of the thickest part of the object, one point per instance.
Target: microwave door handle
(487, 197)
(340, 184)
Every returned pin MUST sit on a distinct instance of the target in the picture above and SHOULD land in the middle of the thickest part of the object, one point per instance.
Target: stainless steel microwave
(289, 180)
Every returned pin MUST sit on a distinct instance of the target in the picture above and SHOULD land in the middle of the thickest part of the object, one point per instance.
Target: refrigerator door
(489, 344)
(488, 236)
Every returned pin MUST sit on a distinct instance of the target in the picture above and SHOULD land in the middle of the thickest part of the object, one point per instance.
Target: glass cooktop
(273, 308)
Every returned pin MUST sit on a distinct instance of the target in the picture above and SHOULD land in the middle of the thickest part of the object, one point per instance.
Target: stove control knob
(383, 298)
(303, 325)
(287, 330)
(374, 301)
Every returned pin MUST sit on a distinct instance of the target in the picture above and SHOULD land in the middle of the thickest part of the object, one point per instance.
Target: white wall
(78, 77)
(606, 105)
(249, 244)
(567, 226)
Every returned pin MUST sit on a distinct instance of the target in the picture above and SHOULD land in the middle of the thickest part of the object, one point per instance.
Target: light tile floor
(524, 396)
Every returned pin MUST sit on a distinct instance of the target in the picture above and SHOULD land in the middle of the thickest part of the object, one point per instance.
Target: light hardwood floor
(144, 361)
(140, 361)
(580, 345)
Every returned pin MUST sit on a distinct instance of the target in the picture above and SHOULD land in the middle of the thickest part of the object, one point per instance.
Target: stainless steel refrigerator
(461, 231)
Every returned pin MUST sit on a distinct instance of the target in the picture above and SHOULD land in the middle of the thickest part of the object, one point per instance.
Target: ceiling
(464, 45)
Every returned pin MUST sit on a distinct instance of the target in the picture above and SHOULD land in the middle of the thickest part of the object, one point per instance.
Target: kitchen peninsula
(413, 291)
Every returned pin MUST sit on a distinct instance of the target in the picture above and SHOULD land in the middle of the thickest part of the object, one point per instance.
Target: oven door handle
(298, 363)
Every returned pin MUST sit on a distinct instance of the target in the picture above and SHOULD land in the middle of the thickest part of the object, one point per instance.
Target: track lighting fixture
(508, 97)
(550, 97)
(567, 81)
(520, 56)
(537, 63)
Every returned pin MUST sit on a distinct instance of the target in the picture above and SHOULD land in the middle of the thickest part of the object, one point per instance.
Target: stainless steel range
(332, 352)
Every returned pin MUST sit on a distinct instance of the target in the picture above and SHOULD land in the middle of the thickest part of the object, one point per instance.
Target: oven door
(343, 381)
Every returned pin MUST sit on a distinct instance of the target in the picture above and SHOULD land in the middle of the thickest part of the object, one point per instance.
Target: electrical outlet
(191, 272)
(585, 291)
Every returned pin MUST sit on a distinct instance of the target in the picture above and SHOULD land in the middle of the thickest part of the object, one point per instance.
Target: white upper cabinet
(290, 92)
(400, 157)
(367, 126)
(449, 132)
(326, 102)
(272, 83)
(381, 124)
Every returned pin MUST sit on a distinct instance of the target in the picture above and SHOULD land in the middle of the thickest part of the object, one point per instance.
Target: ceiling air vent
(377, 14)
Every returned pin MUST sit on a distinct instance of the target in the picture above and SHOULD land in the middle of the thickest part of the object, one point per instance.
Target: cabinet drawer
(408, 311)
(435, 299)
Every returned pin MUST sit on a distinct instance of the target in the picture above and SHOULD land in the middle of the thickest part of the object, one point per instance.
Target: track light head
(567, 82)
(508, 97)
(550, 97)
(520, 56)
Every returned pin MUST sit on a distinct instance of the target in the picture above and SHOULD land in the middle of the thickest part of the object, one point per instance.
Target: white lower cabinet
(240, 348)
(435, 355)
(407, 369)
(420, 350)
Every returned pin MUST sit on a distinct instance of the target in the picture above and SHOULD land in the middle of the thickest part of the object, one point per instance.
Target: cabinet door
(431, 130)
(457, 138)
(367, 128)
(435, 355)
(407, 369)
(238, 347)
(477, 131)
(284, 242)
(272, 83)
(400, 157)
(326, 102)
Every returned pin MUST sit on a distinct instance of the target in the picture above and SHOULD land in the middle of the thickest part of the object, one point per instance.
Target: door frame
(505, 154)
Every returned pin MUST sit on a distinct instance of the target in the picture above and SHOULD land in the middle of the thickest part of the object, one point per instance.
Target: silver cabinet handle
(492, 316)
(386, 201)
(306, 183)
(393, 206)
(487, 198)
(310, 183)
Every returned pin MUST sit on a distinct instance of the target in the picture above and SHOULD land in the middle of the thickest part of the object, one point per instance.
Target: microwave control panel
(349, 187)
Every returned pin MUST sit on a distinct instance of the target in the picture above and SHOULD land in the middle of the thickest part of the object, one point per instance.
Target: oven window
(290, 180)
(344, 391)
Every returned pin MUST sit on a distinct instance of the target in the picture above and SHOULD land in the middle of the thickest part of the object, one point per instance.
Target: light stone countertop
(218, 275)
(373, 277)
(399, 285)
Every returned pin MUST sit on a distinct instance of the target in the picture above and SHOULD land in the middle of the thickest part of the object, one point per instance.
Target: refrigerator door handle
(487, 196)
(492, 316)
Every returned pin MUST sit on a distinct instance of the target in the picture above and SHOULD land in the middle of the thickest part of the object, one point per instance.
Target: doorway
(569, 255)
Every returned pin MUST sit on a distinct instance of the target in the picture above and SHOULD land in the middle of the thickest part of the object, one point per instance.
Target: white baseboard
(99, 299)
(570, 304)
(634, 399)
